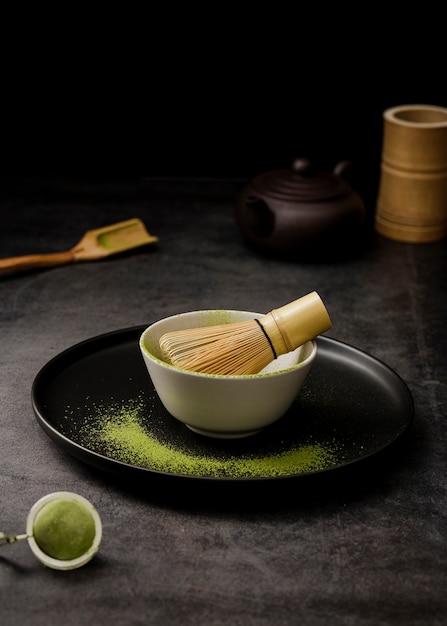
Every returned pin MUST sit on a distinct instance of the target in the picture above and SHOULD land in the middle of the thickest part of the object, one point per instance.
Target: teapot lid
(303, 182)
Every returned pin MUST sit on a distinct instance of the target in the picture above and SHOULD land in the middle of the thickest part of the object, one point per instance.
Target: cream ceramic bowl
(224, 406)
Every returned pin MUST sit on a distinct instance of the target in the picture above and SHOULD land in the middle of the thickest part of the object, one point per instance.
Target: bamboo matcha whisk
(247, 347)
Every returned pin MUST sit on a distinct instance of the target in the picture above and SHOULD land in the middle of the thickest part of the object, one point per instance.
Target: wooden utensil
(95, 244)
(247, 347)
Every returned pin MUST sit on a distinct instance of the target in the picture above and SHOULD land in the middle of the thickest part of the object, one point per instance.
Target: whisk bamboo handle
(295, 323)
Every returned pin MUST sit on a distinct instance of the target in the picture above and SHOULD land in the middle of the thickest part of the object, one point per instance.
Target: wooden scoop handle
(16, 263)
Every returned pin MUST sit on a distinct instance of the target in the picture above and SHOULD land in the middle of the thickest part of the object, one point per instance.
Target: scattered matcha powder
(119, 432)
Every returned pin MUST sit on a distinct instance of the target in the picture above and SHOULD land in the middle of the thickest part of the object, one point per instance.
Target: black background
(213, 93)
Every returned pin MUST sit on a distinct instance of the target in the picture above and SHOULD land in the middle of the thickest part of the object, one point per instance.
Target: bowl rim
(145, 350)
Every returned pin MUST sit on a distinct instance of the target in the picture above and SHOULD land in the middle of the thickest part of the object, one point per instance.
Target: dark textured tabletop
(361, 545)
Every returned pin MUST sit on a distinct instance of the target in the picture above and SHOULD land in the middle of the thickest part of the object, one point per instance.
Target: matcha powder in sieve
(64, 529)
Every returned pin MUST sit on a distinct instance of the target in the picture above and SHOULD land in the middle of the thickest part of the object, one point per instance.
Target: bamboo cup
(412, 198)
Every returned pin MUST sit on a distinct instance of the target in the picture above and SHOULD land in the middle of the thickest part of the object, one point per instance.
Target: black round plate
(97, 402)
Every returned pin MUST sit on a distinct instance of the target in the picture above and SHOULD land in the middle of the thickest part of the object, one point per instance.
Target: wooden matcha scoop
(95, 244)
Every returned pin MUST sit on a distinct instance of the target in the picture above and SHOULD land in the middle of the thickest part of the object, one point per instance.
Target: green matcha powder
(119, 432)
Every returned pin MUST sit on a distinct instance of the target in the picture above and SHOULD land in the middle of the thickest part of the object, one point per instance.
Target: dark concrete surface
(362, 546)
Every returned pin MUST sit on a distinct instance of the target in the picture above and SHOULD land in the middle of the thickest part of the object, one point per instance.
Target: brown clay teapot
(301, 213)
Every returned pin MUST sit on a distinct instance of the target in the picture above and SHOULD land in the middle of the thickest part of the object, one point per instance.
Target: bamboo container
(412, 198)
